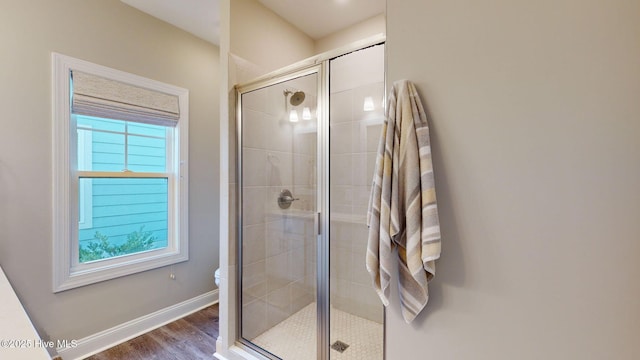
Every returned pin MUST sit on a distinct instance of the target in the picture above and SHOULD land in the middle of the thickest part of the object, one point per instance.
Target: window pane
(107, 151)
(127, 216)
(146, 154)
(115, 145)
(147, 129)
(100, 124)
(85, 153)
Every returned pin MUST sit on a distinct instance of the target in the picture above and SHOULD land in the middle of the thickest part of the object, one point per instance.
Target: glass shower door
(278, 228)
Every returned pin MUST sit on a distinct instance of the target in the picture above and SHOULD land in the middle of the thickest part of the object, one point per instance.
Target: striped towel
(402, 208)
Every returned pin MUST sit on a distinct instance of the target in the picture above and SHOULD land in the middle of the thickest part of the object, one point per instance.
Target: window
(120, 173)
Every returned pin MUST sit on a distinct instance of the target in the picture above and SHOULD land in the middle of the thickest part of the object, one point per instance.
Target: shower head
(297, 98)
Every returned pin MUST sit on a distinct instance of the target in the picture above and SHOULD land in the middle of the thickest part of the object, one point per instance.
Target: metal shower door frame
(322, 204)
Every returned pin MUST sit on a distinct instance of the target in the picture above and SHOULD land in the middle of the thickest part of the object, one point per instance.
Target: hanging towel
(402, 208)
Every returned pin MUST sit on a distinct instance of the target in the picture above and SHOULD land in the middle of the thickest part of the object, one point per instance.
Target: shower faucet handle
(285, 199)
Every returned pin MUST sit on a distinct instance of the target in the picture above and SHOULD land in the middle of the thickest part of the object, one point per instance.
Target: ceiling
(316, 18)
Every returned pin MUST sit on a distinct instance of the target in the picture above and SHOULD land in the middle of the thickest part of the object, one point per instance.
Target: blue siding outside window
(123, 206)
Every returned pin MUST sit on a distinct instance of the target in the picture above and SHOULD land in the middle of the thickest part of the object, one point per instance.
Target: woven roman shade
(96, 96)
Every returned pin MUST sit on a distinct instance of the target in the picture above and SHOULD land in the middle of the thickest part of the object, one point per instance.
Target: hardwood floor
(190, 338)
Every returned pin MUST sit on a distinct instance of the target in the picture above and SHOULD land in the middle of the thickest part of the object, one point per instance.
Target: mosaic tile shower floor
(295, 337)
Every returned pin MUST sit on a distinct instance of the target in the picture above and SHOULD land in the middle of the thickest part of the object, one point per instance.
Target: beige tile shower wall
(354, 137)
(278, 245)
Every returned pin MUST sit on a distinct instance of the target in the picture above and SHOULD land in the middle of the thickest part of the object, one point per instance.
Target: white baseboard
(118, 334)
(219, 357)
(233, 353)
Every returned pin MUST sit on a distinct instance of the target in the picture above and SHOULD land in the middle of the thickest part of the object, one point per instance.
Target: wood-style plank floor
(190, 338)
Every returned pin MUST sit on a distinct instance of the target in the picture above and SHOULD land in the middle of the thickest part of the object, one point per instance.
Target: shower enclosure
(307, 139)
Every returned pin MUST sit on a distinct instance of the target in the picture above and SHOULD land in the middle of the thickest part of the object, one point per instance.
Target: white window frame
(68, 273)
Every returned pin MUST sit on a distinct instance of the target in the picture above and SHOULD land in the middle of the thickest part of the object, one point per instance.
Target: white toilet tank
(217, 276)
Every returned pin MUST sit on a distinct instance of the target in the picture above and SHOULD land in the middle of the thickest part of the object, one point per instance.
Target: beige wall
(362, 30)
(265, 39)
(112, 34)
(535, 117)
